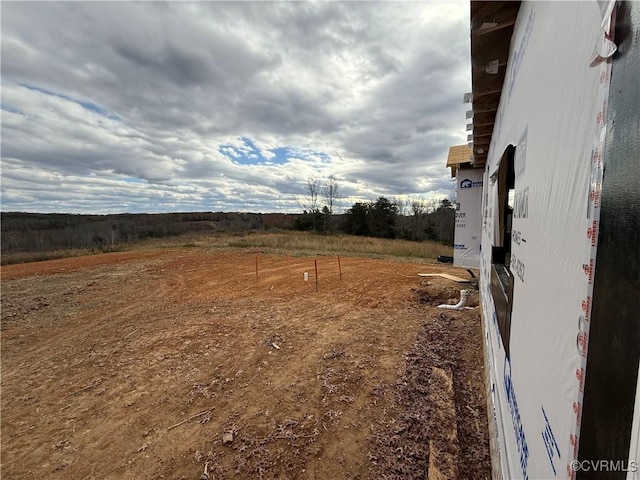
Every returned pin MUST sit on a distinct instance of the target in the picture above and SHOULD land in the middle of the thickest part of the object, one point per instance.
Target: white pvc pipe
(459, 305)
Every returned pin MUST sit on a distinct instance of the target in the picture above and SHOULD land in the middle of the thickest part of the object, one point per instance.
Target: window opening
(501, 276)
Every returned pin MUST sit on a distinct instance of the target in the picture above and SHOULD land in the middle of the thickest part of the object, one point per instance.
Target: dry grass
(301, 243)
(305, 243)
(26, 257)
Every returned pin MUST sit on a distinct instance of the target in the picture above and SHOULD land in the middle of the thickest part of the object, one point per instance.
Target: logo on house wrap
(550, 442)
(466, 183)
(521, 440)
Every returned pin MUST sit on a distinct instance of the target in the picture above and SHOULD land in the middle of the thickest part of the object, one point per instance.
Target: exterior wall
(610, 391)
(551, 110)
(466, 251)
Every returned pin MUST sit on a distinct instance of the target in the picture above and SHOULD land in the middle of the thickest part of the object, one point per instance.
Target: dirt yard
(153, 365)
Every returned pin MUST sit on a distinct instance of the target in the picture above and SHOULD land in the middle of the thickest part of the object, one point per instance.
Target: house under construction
(548, 210)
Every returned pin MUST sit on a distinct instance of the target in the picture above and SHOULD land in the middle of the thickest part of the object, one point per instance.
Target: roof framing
(458, 156)
(492, 26)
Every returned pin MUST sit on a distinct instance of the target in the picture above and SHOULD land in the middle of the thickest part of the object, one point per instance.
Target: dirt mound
(400, 449)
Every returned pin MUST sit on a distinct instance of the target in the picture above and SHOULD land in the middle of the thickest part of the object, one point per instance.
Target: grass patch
(26, 257)
(306, 243)
(301, 243)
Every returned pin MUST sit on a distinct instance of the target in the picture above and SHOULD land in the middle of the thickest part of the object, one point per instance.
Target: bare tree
(418, 209)
(402, 204)
(418, 206)
(432, 205)
(113, 236)
(330, 194)
(310, 202)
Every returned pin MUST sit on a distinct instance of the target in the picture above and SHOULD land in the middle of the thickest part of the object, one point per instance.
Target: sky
(113, 107)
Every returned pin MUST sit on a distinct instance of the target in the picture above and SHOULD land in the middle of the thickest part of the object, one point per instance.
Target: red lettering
(580, 377)
(594, 196)
(582, 343)
(576, 410)
(592, 233)
(603, 78)
(586, 307)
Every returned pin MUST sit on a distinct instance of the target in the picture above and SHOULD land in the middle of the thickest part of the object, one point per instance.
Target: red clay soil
(153, 365)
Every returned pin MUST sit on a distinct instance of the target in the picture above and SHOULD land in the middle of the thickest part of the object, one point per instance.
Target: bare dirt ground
(151, 365)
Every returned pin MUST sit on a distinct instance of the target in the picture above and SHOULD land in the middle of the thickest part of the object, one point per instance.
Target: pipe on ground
(459, 305)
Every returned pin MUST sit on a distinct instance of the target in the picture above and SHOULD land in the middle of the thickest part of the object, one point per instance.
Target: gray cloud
(126, 105)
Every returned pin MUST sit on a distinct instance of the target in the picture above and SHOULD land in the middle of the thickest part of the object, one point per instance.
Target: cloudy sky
(228, 106)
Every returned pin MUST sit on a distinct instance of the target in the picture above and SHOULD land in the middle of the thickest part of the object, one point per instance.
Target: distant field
(287, 241)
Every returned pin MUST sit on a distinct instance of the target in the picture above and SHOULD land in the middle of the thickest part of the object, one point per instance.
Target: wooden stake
(315, 263)
(339, 268)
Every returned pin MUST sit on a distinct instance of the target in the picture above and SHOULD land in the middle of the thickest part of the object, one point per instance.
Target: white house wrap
(539, 181)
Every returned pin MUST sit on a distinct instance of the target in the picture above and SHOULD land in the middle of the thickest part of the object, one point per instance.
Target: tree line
(386, 218)
(42, 232)
(412, 219)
